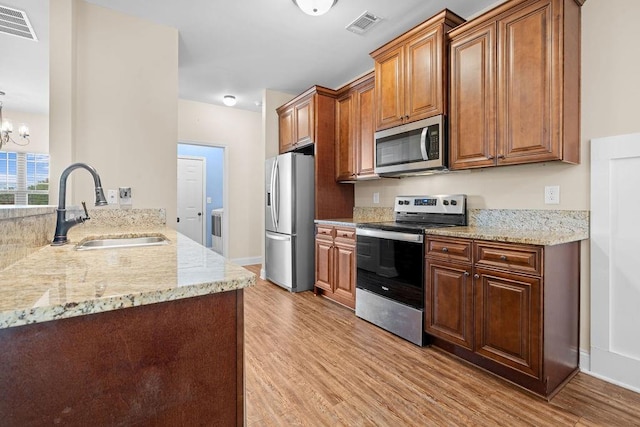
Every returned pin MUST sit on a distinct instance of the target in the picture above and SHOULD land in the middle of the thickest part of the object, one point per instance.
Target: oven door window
(391, 268)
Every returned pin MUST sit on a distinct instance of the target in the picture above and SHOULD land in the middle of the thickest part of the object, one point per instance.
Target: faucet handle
(84, 206)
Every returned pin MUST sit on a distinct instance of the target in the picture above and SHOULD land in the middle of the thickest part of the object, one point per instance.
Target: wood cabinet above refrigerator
(307, 125)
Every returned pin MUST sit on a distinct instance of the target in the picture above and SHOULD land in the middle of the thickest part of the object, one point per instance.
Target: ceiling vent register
(16, 23)
(363, 23)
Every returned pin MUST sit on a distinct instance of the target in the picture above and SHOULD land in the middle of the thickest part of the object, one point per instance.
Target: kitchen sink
(114, 242)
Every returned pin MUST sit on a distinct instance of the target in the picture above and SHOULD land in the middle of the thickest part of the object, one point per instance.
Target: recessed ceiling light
(229, 100)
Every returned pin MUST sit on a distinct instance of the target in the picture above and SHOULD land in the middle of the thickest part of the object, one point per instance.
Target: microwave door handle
(423, 144)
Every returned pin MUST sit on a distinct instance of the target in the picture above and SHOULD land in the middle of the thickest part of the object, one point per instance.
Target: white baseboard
(585, 366)
(585, 361)
(263, 273)
(247, 261)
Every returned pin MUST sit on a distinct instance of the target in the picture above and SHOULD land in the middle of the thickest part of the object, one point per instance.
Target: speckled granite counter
(340, 222)
(533, 227)
(529, 237)
(60, 282)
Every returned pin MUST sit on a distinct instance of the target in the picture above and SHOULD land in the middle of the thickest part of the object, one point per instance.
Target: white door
(615, 239)
(191, 212)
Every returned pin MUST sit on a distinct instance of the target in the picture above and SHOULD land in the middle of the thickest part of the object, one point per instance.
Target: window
(24, 178)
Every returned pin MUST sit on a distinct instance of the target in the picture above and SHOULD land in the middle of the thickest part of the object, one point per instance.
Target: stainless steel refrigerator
(289, 215)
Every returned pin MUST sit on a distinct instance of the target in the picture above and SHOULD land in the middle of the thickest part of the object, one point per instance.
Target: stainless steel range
(390, 262)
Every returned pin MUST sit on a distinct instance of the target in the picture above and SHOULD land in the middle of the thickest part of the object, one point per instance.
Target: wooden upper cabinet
(365, 149)
(354, 131)
(345, 137)
(410, 73)
(515, 75)
(297, 123)
(472, 127)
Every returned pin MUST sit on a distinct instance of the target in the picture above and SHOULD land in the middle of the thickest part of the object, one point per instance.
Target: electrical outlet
(552, 195)
(112, 197)
(376, 197)
(125, 196)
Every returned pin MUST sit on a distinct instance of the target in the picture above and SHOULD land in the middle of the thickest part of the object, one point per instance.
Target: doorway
(212, 193)
(191, 191)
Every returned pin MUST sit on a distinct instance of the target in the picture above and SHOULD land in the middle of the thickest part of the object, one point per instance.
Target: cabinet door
(424, 69)
(285, 121)
(365, 154)
(324, 263)
(449, 302)
(508, 320)
(389, 88)
(472, 122)
(304, 122)
(527, 113)
(345, 138)
(345, 273)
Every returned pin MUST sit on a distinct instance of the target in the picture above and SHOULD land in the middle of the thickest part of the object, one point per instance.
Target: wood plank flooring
(311, 362)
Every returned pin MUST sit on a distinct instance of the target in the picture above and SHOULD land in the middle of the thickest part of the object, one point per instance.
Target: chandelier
(6, 129)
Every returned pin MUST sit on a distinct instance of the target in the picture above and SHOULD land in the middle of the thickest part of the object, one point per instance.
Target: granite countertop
(340, 222)
(532, 227)
(58, 282)
(528, 237)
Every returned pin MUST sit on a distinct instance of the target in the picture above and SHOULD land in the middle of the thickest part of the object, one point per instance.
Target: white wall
(610, 94)
(113, 103)
(38, 129)
(240, 132)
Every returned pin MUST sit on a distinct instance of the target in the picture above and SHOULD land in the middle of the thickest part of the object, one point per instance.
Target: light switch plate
(376, 197)
(112, 197)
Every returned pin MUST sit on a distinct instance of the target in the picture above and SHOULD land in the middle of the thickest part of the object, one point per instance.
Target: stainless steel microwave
(412, 148)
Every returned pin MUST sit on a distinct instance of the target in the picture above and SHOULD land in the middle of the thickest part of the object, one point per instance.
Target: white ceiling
(237, 47)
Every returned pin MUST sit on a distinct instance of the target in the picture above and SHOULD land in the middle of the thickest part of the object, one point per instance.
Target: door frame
(225, 188)
(203, 224)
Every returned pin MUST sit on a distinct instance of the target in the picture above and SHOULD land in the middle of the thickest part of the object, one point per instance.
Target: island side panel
(170, 363)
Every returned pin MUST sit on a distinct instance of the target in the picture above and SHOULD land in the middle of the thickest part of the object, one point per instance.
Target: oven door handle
(390, 235)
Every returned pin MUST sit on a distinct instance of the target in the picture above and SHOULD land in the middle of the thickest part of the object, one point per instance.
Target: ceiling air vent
(363, 23)
(16, 23)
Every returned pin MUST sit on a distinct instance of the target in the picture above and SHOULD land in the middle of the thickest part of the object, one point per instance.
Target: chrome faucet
(62, 224)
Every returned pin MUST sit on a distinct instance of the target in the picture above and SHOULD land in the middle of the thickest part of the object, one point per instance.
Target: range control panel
(441, 204)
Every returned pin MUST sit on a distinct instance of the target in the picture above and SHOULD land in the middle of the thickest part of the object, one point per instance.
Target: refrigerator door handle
(273, 194)
(281, 237)
(276, 195)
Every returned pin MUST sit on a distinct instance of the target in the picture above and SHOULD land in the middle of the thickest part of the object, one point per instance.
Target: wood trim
(240, 378)
(446, 17)
(320, 90)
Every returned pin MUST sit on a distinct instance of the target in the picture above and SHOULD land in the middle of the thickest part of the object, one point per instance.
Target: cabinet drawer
(526, 259)
(324, 230)
(449, 249)
(345, 233)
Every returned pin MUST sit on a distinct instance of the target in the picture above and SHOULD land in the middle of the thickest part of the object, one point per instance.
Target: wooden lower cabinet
(449, 314)
(336, 264)
(511, 309)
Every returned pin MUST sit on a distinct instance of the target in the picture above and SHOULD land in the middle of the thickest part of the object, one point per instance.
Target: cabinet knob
(501, 156)
(503, 257)
(445, 250)
(476, 276)
(466, 273)
(490, 157)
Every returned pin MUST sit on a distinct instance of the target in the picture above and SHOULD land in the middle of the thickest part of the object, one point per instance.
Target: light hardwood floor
(311, 362)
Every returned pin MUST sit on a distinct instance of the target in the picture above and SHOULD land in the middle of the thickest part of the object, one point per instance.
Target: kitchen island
(146, 335)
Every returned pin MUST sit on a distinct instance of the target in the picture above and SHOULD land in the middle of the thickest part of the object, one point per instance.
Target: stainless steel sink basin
(121, 242)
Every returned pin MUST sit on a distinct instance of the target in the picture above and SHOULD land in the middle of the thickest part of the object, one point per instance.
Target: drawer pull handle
(445, 250)
(503, 257)
(476, 276)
